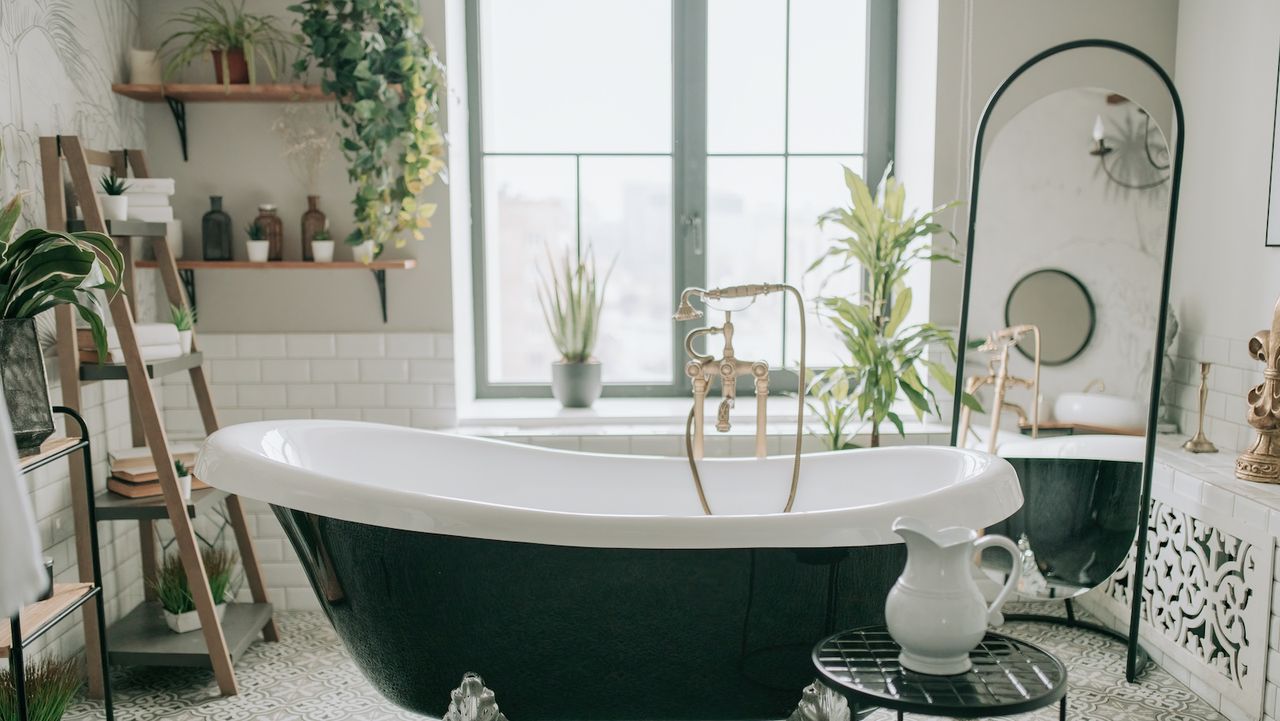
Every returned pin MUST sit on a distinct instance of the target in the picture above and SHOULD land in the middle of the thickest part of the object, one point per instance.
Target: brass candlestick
(1200, 444)
(1261, 463)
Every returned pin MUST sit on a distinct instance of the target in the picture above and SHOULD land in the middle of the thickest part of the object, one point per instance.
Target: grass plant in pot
(184, 319)
(50, 686)
(256, 244)
(235, 39)
(115, 204)
(170, 586)
(39, 270)
(572, 297)
(184, 478)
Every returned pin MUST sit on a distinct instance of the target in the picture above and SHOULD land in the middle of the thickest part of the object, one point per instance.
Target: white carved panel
(1206, 598)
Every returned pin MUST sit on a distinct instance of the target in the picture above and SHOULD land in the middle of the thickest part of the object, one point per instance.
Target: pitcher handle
(994, 617)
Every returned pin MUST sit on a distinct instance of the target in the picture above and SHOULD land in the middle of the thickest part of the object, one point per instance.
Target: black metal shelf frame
(19, 641)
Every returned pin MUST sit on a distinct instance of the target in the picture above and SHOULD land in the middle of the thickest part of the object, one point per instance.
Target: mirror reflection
(1068, 250)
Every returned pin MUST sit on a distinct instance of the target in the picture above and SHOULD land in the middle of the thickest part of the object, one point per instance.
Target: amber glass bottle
(313, 221)
(272, 230)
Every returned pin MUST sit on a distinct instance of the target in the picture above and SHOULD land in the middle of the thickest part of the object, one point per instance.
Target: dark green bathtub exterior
(587, 634)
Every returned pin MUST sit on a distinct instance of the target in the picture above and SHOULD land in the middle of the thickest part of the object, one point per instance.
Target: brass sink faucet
(999, 343)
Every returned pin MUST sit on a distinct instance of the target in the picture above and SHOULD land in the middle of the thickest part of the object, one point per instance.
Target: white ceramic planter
(114, 207)
(258, 250)
(184, 341)
(189, 621)
(322, 251)
(145, 67)
(184, 486)
(363, 253)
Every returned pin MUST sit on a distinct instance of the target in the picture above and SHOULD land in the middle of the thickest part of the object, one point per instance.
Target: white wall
(1225, 282)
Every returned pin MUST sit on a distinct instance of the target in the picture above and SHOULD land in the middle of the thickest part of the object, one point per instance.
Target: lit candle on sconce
(1098, 129)
(1099, 138)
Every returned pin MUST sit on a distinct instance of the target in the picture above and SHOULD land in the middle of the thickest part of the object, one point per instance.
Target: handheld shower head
(686, 311)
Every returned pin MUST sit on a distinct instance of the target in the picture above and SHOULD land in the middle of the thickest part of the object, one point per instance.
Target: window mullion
(689, 166)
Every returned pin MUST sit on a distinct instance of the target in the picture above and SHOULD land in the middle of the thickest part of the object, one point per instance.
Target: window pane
(576, 75)
(815, 185)
(744, 245)
(529, 206)
(626, 215)
(746, 75)
(828, 76)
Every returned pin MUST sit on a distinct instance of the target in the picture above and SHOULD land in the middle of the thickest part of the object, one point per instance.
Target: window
(694, 141)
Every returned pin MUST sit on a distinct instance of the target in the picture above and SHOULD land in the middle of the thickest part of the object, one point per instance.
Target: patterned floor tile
(309, 677)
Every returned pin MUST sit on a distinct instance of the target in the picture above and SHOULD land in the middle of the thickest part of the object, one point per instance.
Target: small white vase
(173, 237)
(935, 611)
(184, 482)
(114, 207)
(190, 621)
(363, 253)
(258, 250)
(145, 67)
(322, 251)
(184, 341)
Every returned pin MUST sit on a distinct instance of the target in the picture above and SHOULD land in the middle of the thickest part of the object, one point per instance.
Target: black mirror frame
(1088, 299)
(1153, 410)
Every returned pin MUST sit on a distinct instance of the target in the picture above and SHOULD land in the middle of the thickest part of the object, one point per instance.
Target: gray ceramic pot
(26, 389)
(576, 385)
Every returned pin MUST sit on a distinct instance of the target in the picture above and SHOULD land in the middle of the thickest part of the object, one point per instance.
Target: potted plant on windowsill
(39, 270)
(170, 586)
(235, 39)
(572, 296)
(50, 687)
(115, 204)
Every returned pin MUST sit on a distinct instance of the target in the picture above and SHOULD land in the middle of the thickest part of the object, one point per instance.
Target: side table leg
(16, 670)
(1062, 708)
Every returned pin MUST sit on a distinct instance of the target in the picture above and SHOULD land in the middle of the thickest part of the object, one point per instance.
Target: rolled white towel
(151, 214)
(157, 186)
(147, 200)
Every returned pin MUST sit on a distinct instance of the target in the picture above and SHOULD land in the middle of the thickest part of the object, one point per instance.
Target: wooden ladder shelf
(148, 426)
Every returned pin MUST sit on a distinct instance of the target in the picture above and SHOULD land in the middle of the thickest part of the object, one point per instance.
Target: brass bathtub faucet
(704, 368)
(999, 343)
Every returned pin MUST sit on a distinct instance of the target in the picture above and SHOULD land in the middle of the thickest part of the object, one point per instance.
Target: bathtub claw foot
(819, 703)
(471, 701)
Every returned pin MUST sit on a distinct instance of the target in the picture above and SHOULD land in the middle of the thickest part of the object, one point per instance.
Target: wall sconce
(1136, 160)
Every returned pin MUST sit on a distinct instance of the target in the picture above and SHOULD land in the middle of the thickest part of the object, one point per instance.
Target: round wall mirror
(1058, 303)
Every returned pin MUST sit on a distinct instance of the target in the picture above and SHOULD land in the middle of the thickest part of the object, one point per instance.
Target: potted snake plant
(170, 587)
(41, 269)
(572, 296)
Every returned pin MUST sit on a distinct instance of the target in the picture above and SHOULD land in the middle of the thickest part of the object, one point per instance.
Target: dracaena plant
(571, 294)
(389, 84)
(42, 268)
(886, 359)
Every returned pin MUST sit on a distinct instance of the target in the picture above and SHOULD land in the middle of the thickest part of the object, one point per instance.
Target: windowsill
(640, 416)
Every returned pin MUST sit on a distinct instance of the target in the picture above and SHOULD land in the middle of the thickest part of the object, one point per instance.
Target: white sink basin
(1099, 409)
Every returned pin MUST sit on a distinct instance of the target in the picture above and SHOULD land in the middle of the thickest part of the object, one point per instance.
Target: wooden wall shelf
(187, 271)
(178, 95)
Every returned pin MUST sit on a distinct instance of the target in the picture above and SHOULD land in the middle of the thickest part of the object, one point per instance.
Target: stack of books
(155, 342)
(134, 475)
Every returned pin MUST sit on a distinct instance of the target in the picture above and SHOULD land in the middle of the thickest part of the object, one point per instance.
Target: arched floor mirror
(1073, 199)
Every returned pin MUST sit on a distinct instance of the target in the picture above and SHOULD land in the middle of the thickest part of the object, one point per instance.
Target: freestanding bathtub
(592, 587)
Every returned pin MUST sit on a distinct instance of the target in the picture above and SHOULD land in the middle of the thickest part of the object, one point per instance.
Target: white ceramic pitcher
(935, 611)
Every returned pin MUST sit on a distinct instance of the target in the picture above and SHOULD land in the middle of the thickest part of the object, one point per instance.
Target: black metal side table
(1008, 677)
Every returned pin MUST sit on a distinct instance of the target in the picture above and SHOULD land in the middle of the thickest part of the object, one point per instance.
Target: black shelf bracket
(179, 110)
(188, 276)
(380, 277)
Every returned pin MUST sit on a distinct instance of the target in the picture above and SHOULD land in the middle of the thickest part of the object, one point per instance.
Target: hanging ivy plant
(389, 85)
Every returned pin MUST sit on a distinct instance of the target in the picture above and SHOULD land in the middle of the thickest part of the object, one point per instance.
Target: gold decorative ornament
(1199, 443)
(1261, 463)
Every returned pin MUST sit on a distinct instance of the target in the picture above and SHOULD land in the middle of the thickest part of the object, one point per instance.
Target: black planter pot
(26, 388)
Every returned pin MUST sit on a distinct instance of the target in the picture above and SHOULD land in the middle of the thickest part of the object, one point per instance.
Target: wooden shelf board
(36, 616)
(51, 447)
(217, 93)
(142, 638)
(403, 264)
(114, 507)
(155, 368)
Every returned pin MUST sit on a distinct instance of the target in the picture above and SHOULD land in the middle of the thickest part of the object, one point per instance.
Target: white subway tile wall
(1231, 376)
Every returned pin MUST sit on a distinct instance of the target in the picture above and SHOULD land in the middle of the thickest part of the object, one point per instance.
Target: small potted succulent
(184, 319)
(184, 478)
(258, 245)
(50, 686)
(235, 39)
(39, 270)
(115, 204)
(170, 586)
(322, 246)
(572, 295)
